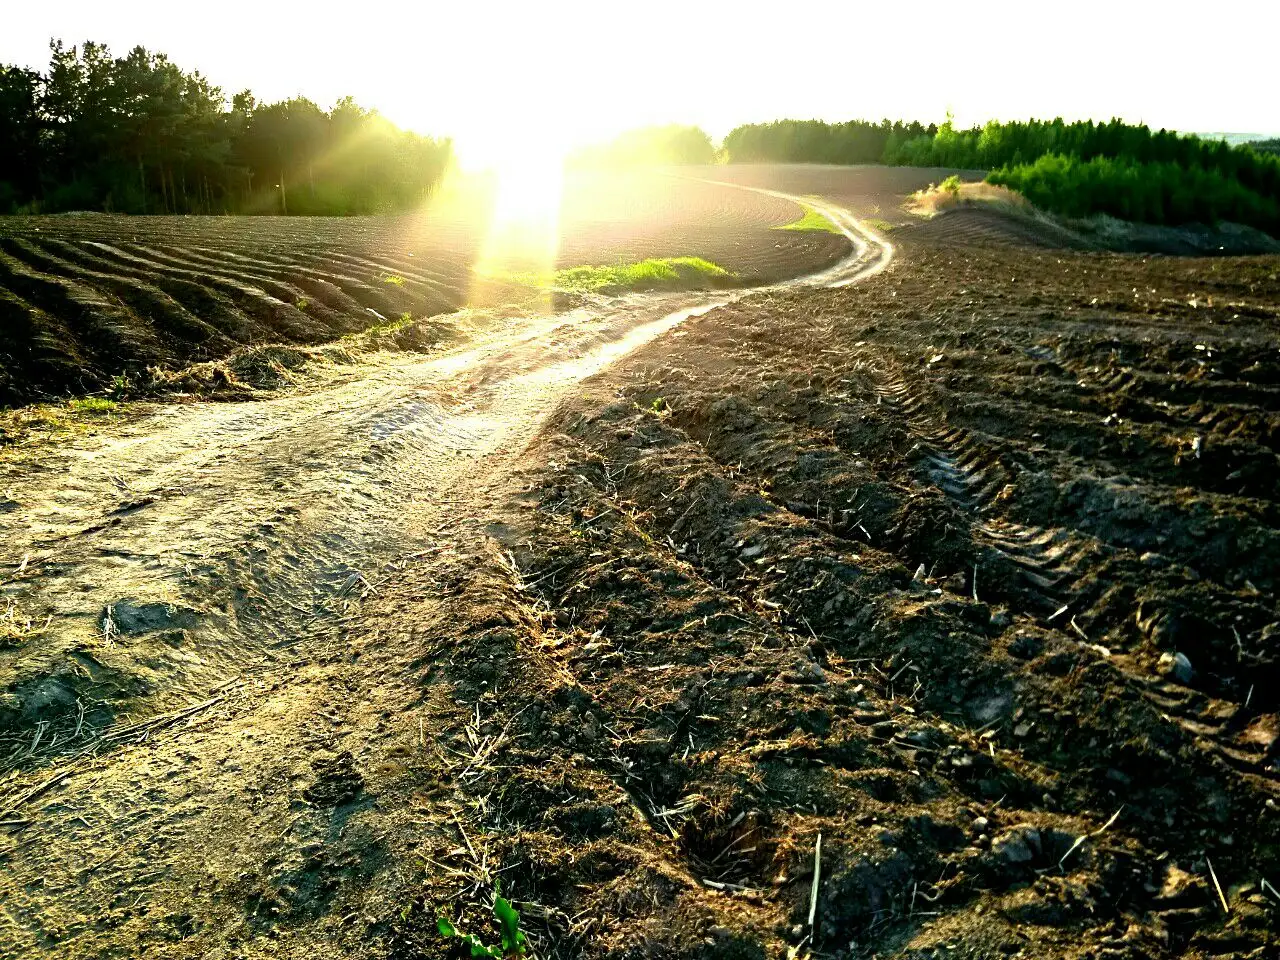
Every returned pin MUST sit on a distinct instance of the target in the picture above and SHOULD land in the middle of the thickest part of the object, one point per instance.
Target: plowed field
(927, 610)
(968, 574)
(84, 298)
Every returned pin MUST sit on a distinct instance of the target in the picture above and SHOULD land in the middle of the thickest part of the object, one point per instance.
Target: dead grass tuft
(17, 627)
(951, 194)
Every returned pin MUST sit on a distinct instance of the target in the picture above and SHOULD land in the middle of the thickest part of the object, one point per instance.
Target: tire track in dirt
(728, 473)
(1051, 561)
(214, 554)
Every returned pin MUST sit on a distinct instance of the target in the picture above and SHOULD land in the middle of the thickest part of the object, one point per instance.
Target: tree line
(1077, 169)
(815, 141)
(1157, 192)
(138, 134)
(673, 144)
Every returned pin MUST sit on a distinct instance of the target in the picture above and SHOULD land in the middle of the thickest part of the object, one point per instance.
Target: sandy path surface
(202, 566)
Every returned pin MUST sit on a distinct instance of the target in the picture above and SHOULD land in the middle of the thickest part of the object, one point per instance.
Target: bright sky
(547, 72)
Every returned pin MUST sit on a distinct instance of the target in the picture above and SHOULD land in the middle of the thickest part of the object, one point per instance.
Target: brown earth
(940, 609)
(905, 566)
(87, 298)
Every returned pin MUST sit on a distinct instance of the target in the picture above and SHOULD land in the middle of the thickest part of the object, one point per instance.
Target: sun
(526, 201)
(522, 188)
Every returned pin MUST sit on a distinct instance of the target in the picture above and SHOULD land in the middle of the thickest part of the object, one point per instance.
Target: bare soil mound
(978, 225)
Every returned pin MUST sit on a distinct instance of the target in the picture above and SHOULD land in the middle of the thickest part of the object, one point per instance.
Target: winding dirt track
(223, 549)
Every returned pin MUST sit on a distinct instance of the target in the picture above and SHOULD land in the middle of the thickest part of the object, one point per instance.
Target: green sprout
(513, 939)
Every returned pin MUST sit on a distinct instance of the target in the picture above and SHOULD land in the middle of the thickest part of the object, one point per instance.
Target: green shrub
(1160, 193)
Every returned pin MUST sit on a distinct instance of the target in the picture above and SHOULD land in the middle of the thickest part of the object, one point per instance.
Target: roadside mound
(982, 225)
(984, 213)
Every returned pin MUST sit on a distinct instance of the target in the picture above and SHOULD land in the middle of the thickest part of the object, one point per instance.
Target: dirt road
(191, 578)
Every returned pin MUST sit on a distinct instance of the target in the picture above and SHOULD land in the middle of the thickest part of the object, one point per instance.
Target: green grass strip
(664, 273)
(92, 405)
(812, 222)
(661, 273)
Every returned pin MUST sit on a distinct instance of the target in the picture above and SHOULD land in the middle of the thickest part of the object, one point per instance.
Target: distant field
(87, 297)
(867, 190)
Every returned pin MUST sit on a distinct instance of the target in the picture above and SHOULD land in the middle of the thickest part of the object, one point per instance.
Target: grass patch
(661, 273)
(881, 226)
(812, 222)
(654, 274)
(24, 429)
(92, 405)
(387, 326)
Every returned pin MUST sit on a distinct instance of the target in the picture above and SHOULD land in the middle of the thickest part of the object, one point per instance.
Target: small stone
(1026, 647)
(1176, 666)
(1012, 848)
(806, 672)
